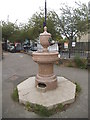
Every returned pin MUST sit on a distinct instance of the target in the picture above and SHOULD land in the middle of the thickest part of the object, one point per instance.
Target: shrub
(81, 63)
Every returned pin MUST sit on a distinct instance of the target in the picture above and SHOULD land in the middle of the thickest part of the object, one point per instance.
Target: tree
(13, 32)
(53, 25)
(31, 30)
(35, 25)
(19, 35)
(73, 22)
(8, 30)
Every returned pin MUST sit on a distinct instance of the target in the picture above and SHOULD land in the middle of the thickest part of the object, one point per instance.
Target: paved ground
(17, 67)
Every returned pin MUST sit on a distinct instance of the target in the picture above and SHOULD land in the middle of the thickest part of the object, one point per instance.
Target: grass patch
(15, 95)
(60, 107)
(43, 111)
(27, 106)
(78, 88)
(70, 65)
(38, 109)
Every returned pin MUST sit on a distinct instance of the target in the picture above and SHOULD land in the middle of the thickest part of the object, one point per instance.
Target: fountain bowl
(45, 57)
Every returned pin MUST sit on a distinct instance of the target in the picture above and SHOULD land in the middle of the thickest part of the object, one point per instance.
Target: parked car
(11, 48)
(18, 47)
(33, 48)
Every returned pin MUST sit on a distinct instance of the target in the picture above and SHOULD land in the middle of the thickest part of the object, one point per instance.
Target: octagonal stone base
(64, 93)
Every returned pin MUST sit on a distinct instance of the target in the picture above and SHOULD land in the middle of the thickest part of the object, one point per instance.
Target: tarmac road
(16, 67)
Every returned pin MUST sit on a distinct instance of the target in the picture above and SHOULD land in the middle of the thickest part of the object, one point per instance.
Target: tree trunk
(69, 53)
(70, 45)
(5, 47)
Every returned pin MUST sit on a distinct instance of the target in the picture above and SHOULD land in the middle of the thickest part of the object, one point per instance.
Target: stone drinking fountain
(45, 88)
(45, 79)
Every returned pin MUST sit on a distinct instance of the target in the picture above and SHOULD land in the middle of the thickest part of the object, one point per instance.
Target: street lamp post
(44, 24)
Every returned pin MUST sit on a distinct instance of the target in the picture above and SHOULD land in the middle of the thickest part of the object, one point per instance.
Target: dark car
(18, 47)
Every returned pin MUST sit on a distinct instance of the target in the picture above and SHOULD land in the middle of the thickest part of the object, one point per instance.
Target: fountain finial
(44, 39)
(45, 28)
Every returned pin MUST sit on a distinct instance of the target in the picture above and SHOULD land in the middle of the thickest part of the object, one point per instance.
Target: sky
(22, 10)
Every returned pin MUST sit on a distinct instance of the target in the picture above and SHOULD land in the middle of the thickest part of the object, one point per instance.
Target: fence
(81, 49)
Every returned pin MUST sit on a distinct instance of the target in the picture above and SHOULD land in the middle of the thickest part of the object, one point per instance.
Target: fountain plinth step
(64, 93)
